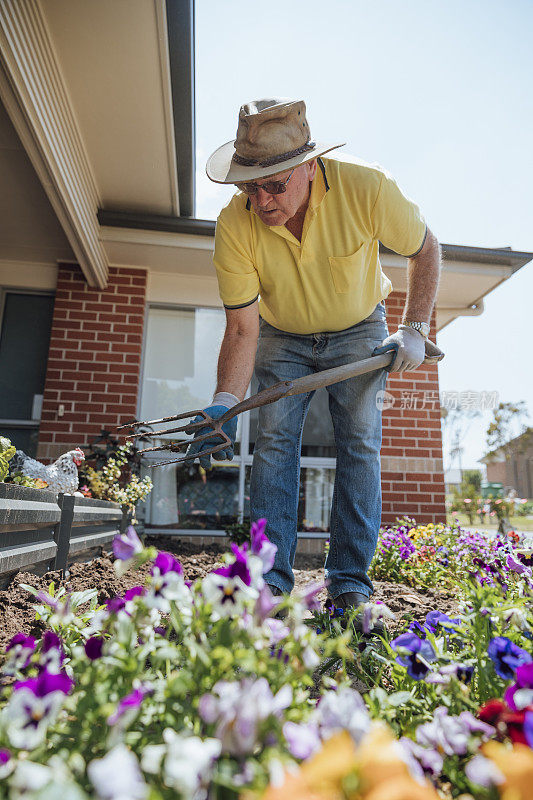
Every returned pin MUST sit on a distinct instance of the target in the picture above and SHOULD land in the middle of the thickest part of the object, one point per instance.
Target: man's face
(277, 209)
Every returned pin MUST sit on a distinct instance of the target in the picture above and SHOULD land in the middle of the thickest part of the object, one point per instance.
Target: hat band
(268, 162)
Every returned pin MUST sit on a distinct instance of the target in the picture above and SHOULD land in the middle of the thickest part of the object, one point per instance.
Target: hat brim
(221, 168)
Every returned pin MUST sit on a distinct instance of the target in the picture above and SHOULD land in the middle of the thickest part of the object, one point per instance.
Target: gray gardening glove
(410, 347)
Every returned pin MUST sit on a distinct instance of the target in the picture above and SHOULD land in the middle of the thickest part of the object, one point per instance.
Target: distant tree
(506, 425)
(471, 480)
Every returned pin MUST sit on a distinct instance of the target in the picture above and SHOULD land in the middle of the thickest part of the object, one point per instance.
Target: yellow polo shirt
(332, 279)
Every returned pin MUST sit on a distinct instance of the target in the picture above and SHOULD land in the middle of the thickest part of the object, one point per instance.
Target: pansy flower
(19, 651)
(168, 585)
(507, 656)
(33, 706)
(261, 545)
(413, 654)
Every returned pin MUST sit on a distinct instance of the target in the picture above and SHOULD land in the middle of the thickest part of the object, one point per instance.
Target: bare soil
(16, 604)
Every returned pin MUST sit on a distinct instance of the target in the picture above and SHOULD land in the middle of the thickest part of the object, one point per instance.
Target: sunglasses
(270, 187)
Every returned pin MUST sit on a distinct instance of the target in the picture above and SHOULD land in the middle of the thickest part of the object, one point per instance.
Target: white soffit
(462, 283)
(114, 61)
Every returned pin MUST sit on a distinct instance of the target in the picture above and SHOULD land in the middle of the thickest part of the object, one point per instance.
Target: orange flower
(516, 765)
(381, 772)
(384, 775)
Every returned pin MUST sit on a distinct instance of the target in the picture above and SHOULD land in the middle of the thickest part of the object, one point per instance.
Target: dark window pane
(24, 343)
(23, 438)
(186, 497)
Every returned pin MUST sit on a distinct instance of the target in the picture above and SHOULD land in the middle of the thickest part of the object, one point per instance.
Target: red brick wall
(412, 434)
(94, 358)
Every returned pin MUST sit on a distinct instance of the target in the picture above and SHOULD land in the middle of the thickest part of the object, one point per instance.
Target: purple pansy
(135, 591)
(520, 694)
(238, 569)
(417, 653)
(310, 598)
(33, 705)
(436, 618)
(165, 562)
(94, 647)
(45, 683)
(303, 740)
(451, 735)
(128, 706)
(265, 603)
(19, 650)
(127, 545)
(517, 566)
(429, 759)
(483, 771)
(261, 544)
(52, 654)
(115, 604)
(507, 656)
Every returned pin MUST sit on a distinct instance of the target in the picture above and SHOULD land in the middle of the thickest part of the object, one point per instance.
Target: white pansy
(29, 778)
(228, 596)
(26, 717)
(188, 764)
(167, 588)
(117, 776)
(342, 709)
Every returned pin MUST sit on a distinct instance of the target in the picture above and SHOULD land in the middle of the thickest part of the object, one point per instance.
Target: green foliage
(471, 481)
(507, 423)
(239, 532)
(7, 451)
(115, 481)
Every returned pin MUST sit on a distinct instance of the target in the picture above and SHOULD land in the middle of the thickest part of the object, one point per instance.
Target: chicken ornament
(61, 476)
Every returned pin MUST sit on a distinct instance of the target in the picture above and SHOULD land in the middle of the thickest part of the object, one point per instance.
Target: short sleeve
(238, 280)
(396, 220)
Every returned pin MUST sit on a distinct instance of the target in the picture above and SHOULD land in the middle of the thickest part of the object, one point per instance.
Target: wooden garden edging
(40, 530)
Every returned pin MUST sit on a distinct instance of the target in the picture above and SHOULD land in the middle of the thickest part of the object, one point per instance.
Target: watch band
(421, 327)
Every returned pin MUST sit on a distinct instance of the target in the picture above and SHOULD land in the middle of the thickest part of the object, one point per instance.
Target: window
(179, 374)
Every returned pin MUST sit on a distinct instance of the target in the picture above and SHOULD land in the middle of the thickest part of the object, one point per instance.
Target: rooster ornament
(61, 476)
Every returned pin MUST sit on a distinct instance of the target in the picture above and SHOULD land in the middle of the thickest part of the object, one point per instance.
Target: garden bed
(179, 680)
(17, 605)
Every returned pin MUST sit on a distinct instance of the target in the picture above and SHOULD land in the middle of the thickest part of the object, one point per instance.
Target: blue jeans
(274, 487)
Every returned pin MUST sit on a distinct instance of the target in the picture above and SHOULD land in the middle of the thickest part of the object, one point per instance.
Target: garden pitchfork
(283, 389)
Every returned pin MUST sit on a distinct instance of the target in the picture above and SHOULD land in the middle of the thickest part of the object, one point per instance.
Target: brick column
(412, 470)
(94, 359)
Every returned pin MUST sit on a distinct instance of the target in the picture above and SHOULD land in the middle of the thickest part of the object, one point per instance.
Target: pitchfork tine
(162, 420)
(191, 457)
(189, 428)
(185, 443)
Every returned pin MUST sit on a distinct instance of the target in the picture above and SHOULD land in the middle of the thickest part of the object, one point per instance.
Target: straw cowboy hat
(272, 136)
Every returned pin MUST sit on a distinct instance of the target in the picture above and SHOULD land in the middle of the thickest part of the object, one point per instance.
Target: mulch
(16, 603)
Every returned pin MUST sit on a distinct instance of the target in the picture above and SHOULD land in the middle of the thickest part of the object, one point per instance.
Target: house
(512, 465)
(109, 302)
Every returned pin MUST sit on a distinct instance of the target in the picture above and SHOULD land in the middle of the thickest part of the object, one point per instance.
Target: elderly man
(297, 261)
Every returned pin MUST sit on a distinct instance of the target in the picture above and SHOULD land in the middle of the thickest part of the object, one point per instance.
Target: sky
(439, 93)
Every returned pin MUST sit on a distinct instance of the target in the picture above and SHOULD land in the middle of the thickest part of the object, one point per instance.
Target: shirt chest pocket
(349, 272)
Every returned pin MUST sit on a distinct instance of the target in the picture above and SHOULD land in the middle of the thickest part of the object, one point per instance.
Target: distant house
(513, 467)
(109, 308)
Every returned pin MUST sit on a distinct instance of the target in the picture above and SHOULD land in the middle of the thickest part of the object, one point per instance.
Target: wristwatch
(421, 327)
